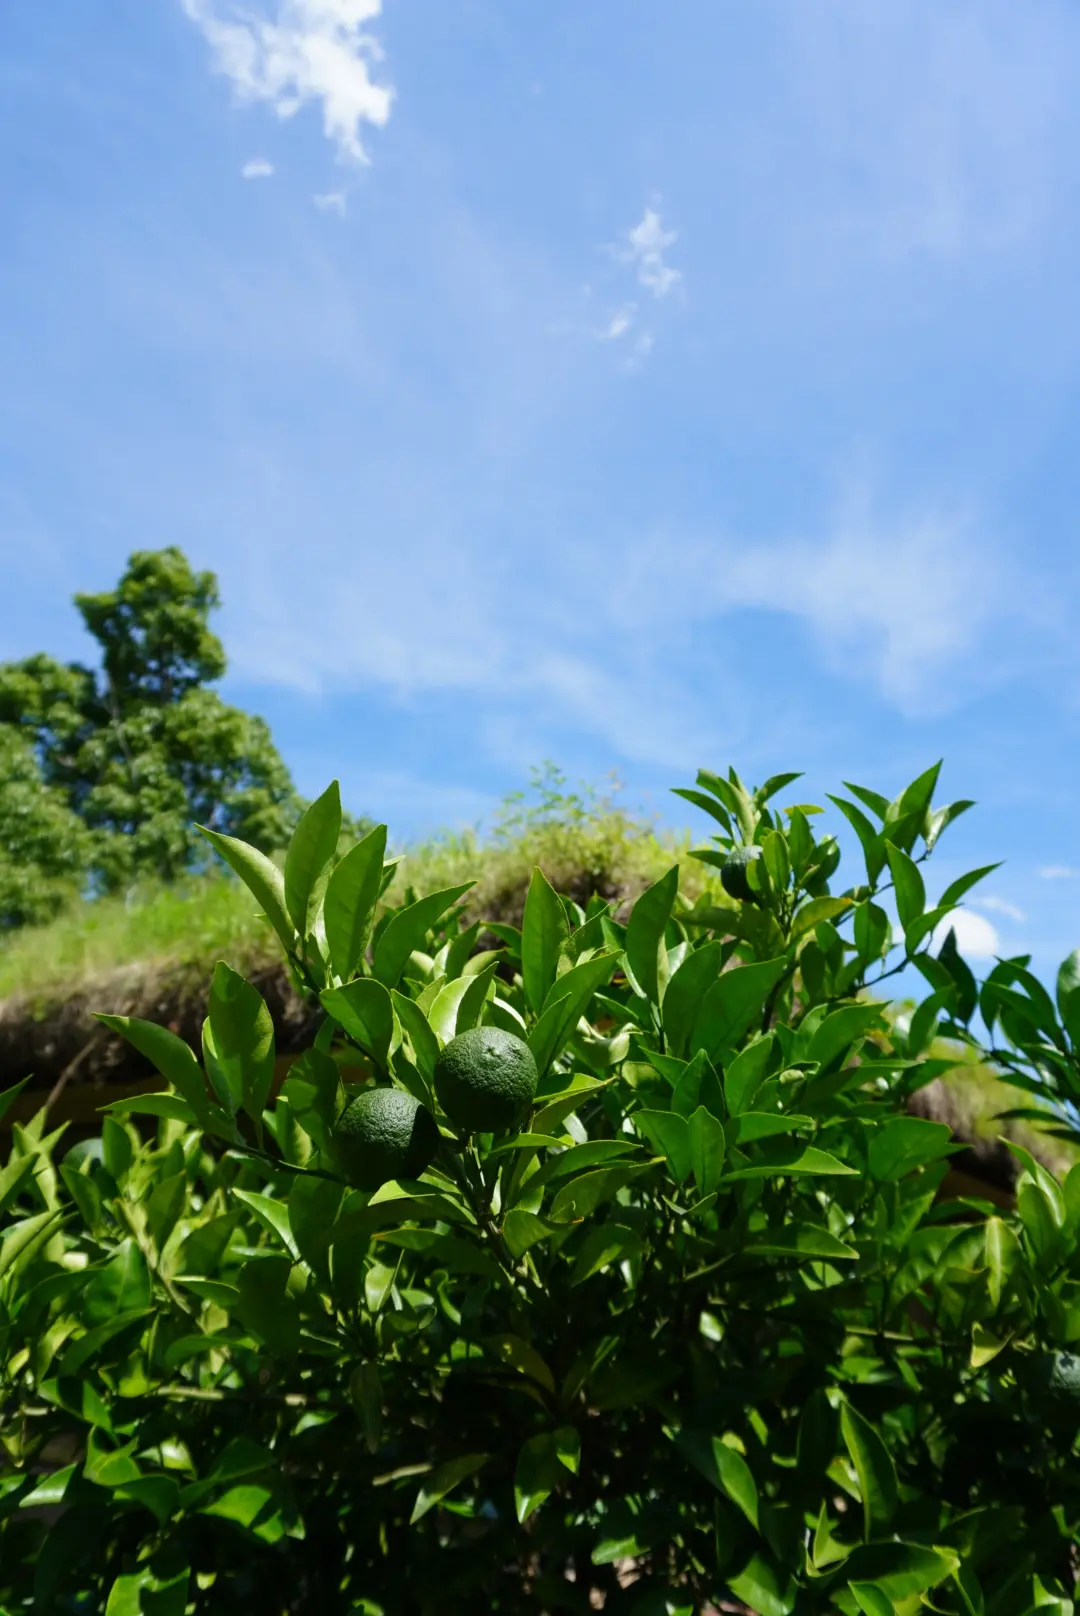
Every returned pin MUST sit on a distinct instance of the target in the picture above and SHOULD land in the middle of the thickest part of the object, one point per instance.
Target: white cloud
(647, 243)
(1001, 906)
(331, 202)
(257, 169)
(311, 50)
(976, 938)
(903, 600)
(620, 323)
(1059, 872)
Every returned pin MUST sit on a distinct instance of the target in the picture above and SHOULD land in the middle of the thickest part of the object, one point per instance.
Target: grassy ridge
(582, 841)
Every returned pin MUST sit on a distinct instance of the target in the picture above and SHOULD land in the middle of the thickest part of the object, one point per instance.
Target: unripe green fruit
(1057, 1376)
(485, 1080)
(384, 1133)
(733, 876)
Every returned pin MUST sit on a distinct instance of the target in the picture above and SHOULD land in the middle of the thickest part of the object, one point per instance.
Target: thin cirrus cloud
(331, 202)
(308, 51)
(1001, 906)
(257, 169)
(1059, 872)
(904, 637)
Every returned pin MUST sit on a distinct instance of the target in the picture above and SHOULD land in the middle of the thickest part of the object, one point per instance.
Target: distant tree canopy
(105, 772)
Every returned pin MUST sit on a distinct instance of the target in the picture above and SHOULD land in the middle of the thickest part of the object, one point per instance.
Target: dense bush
(700, 1330)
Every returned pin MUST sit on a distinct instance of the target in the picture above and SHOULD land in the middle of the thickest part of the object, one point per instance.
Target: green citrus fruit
(384, 1133)
(733, 872)
(485, 1079)
(1058, 1376)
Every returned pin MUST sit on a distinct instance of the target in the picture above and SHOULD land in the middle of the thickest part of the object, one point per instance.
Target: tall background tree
(113, 766)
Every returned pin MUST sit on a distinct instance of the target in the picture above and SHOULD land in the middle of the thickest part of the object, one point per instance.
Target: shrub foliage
(702, 1330)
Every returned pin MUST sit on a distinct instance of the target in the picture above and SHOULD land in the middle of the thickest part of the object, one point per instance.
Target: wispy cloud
(620, 323)
(645, 247)
(937, 134)
(907, 596)
(331, 202)
(1059, 872)
(257, 169)
(1000, 906)
(310, 50)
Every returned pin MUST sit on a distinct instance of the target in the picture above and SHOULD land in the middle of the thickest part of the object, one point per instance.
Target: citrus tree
(588, 1265)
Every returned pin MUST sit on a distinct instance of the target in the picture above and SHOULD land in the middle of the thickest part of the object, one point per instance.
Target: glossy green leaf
(840, 1031)
(745, 1074)
(802, 1240)
(308, 860)
(542, 1466)
(365, 1010)
(609, 1243)
(272, 1214)
(153, 1105)
(784, 1158)
(645, 951)
(312, 1211)
(544, 935)
(579, 1197)
(443, 1481)
(909, 885)
(352, 894)
(417, 1028)
(511, 1349)
(523, 1229)
(685, 992)
(669, 1135)
(874, 1468)
(566, 1003)
(164, 1207)
(721, 1465)
(262, 878)
(9, 1096)
(963, 884)
(1068, 996)
(901, 1570)
(753, 1125)
(84, 1348)
(265, 1307)
(813, 913)
(408, 930)
(1002, 1258)
(167, 1053)
(240, 1055)
(707, 1145)
(733, 1003)
(13, 1176)
(121, 1286)
(871, 1600)
(906, 1144)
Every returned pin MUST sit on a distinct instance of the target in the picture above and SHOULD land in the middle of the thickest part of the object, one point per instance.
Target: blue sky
(640, 387)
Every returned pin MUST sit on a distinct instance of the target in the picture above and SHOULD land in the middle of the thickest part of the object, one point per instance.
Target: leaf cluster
(701, 1330)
